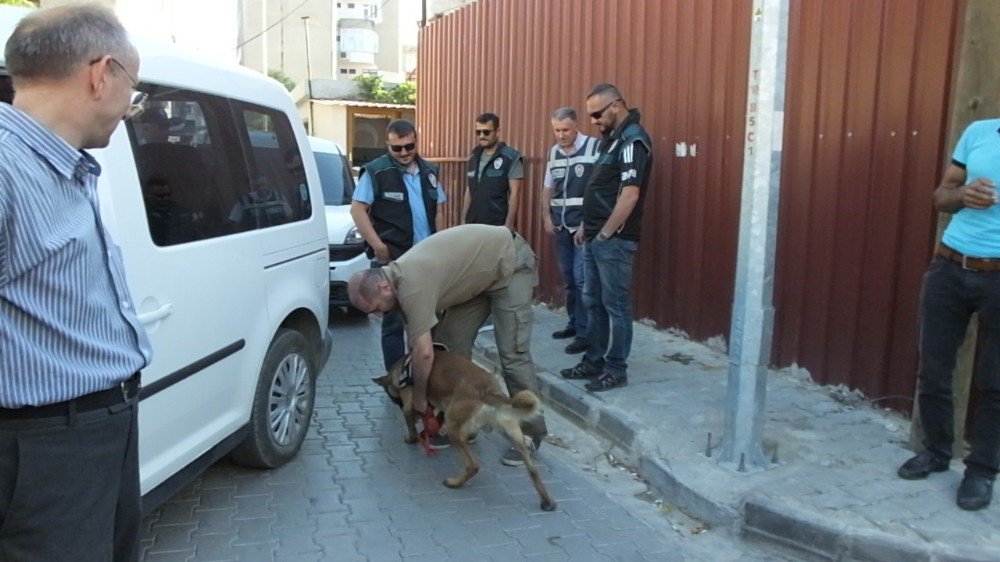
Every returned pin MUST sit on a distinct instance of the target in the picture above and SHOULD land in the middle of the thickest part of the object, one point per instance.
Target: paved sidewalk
(834, 492)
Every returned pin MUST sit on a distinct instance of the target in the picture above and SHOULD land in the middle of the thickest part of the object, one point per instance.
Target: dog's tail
(524, 404)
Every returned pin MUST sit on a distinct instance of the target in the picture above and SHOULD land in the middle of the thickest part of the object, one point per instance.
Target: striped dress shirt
(67, 323)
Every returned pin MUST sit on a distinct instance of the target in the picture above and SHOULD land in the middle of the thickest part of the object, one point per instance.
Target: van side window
(190, 166)
(6, 89)
(279, 189)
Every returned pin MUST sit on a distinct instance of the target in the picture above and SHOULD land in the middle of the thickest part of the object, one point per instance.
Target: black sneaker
(606, 381)
(563, 334)
(513, 458)
(583, 370)
(440, 441)
(578, 345)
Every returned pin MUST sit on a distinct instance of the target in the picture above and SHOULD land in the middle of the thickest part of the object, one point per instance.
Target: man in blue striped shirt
(71, 344)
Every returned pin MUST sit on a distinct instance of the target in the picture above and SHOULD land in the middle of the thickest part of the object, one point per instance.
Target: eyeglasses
(484, 132)
(600, 113)
(135, 106)
(401, 147)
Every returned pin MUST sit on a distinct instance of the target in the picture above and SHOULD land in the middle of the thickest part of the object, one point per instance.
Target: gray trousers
(512, 321)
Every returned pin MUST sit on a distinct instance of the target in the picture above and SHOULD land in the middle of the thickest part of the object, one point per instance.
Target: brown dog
(471, 399)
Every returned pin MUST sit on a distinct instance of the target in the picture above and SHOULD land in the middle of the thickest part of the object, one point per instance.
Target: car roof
(323, 145)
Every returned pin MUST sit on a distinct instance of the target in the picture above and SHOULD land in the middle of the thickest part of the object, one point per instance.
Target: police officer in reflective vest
(567, 171)
(495, 173)
(397, 203)
(612, 212)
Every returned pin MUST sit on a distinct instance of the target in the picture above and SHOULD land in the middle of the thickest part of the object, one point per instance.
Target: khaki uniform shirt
(450, 268)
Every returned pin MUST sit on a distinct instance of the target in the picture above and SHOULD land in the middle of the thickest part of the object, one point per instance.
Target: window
(208, 169)
(335, 177)
(343, 71)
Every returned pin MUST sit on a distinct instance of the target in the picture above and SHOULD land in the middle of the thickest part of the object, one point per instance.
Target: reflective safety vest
(569, 175)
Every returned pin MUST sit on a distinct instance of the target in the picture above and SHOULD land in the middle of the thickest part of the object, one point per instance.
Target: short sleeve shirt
(450, 268)
(365, 193)
(516, 171)
(976, 232)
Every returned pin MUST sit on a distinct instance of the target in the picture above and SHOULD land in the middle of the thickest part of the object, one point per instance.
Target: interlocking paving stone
(356, 492)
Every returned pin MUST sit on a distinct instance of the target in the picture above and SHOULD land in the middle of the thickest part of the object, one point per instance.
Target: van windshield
(335, 177)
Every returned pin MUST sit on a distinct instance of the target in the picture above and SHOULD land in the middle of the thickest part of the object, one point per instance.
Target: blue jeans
(570, 258)
(949, 297)
(393, 338)
(607, 295)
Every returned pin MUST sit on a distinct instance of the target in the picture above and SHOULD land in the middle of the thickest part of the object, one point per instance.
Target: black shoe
(579, 345)
(513, 458)
(563, 334)
(582, 370)
(975, 492)
(920, 466)
(606, 381)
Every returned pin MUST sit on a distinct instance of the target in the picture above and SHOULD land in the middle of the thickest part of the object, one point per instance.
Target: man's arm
(466, 201)
(421, 360)
(512, 199)
(359, 212)
(954, 194)
(546, 213)
(627, 199)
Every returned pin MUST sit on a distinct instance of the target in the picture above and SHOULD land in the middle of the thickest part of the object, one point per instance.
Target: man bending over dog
(469, 271)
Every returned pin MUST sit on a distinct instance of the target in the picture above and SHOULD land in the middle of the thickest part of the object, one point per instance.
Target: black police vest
(390, 210)
(606, 181)
(569, 176)
(490, 193)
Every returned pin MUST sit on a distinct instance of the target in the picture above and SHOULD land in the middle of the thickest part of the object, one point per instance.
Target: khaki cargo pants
(512, 320)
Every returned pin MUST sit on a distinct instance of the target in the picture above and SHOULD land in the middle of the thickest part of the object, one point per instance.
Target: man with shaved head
(72, 347)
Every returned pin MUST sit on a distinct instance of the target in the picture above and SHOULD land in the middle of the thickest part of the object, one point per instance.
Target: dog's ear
(382, 381)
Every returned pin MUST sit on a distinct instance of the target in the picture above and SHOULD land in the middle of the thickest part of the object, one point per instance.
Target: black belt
(121, 393)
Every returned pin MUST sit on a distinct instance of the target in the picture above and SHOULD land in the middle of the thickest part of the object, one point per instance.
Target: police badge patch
(498, 163)
(578, 169)
(432, 178)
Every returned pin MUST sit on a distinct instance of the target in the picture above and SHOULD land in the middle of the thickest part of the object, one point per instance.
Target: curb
(761, 516)
(804, 530)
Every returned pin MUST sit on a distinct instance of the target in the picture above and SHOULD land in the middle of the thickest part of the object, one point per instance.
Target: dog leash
(431, 428)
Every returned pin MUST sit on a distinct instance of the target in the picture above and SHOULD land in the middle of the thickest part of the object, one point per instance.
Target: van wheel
(282, 404)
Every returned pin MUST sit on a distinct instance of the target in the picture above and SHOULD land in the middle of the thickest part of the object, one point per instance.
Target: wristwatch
(601, 236)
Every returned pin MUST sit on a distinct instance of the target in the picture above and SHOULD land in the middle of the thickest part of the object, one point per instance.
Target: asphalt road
(357, 492)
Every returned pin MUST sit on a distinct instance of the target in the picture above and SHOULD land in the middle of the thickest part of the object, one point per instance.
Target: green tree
(19, 3)
(374, 90)
(280, 76)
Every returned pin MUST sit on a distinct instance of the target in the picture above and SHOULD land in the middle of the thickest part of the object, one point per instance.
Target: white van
(347, 252)
(214, 198)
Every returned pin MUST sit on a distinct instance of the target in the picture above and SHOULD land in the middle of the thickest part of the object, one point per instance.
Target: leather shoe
(578, 345)
(920, 466)
(975, 492)
(563, 334)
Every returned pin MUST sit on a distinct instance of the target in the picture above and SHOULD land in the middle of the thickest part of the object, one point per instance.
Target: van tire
(285, 397)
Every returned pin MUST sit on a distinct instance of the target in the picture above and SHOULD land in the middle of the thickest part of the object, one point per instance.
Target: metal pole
(753, 309)
(263, 36)
(309, 75)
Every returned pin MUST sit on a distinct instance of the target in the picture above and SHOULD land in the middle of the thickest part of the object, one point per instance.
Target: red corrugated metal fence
(867, 92)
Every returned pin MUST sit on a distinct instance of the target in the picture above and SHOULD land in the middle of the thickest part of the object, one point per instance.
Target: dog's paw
(453, 482)
(548, 506)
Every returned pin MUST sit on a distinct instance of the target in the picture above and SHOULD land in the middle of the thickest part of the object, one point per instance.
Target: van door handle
(156, 315)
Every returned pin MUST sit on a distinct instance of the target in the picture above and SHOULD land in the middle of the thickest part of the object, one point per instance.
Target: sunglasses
(484, 132)
(600, 113)
(401, 147)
